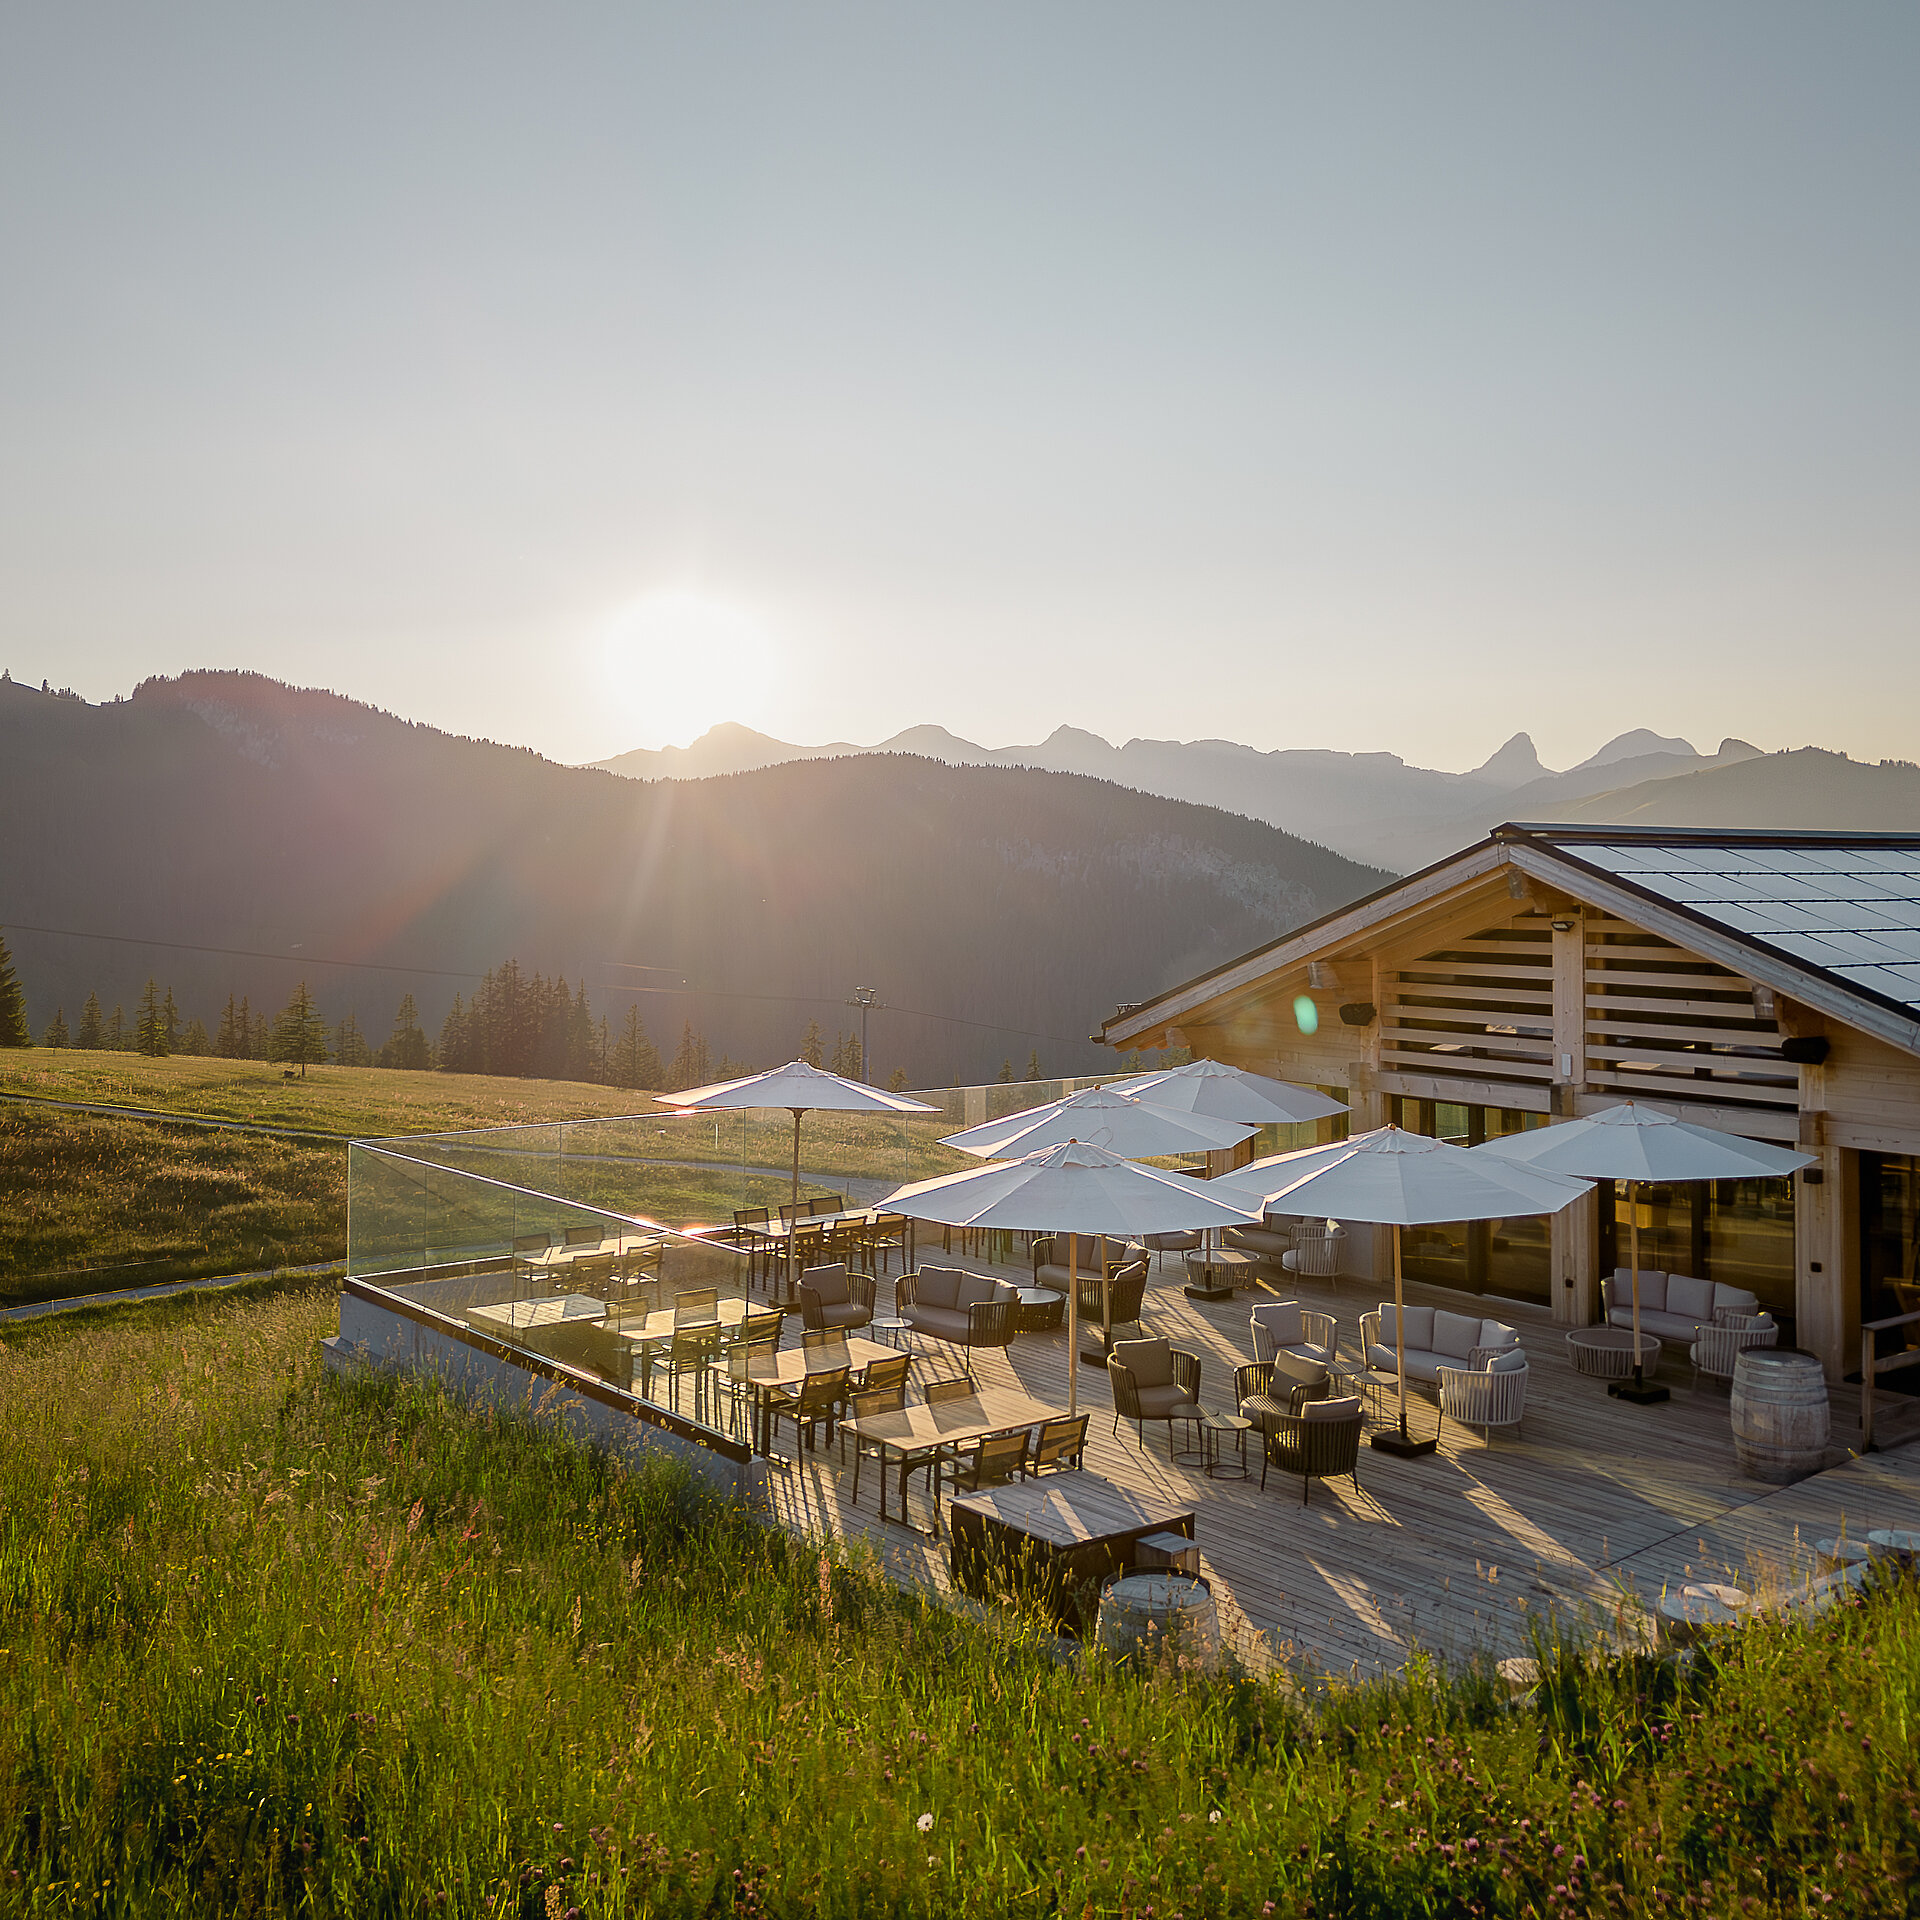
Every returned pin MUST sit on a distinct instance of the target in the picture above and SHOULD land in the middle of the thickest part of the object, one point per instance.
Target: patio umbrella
(1635, 1143)
(1229, 1093)
(1133, 1128)
(800, 1089)
(1072, 1188)
(1397, 1179)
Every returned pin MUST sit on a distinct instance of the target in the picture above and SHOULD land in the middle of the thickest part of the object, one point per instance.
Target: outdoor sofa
(965, 1309)
(1436, 1338)
(1097, 1254)
(1673, 1306)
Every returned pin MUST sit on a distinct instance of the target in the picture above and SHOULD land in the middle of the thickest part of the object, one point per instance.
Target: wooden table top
(623, 1248)
(788, 1369)
(514, 1316)
(953, 1422)
(864, 1216)
(1073, 1509)
(658, 1325)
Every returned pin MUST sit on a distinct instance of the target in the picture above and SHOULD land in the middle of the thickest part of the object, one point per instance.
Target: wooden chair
(1060, 1446)
(816, 1401)
(758, 1246)
(994, 1460)
(694, 1350)
(733, 1380)
(698, 1306)
(882, 1376)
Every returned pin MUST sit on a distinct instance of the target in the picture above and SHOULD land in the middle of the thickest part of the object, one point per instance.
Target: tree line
(516, 1023)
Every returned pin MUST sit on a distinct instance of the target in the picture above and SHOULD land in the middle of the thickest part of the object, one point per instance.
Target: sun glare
(677, 662)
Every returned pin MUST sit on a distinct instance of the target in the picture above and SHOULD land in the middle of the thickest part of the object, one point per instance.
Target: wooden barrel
(1151, 1615)
(1780, 1417)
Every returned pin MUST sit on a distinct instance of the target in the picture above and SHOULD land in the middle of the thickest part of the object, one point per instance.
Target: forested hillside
(997, 910)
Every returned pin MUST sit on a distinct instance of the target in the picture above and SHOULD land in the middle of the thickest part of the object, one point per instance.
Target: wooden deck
(1446, 1554)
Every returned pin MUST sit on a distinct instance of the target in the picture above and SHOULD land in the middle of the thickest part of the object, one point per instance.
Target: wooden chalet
(1765, 983)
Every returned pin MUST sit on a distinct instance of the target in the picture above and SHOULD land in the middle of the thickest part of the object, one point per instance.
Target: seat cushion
(1315, 1411)
(1690, 1298)
(1419, 1327)
(1653, 1288)
(1455, 1335)
(1306, 1350)
(1157, 1402)
(845, 1313)
(1509, 1360)
(1420, 1365)
(936, 1286)
(1263, 1409)
(1281, 1323)
(938, 1323)
(1258, 1240)
(1149, 1361)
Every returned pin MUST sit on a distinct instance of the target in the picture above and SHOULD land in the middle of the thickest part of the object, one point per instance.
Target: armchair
(834, 1298)
(1484, 1396)
(1315, 1253)
(1269, 1391)
(1107, 1305)
(1715, 1349)
(1284, 1326)
(1321, 1440)
(1153, 1381)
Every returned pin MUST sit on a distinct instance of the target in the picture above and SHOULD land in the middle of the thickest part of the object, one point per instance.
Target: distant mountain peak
(1513, 766)
(1635, 745)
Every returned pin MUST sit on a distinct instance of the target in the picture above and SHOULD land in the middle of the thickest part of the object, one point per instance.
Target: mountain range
(1374, 807)
(228, 834)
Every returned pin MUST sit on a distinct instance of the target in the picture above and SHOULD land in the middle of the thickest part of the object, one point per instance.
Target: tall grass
(274, 1642)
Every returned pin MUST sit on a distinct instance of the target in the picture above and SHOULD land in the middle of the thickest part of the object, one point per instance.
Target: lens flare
(1306, 1016)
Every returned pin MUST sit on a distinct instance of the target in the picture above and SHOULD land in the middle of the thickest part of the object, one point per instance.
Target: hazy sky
(1368, 377)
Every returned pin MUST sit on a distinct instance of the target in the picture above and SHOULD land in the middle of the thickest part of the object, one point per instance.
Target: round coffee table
(1606, 1353)
(1041, 1309)
(1212, 1427)
(1213, 1276)
(893, 1332)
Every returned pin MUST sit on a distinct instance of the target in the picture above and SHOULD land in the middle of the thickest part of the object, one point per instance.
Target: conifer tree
(635, 1061)
(91, 1033)
(453, 1051)
(56, 1035)
(150, 1034)
(231, 1041)
(117, 1039)
(1033, 1064)
(1006, 1073)
(13, 1004)
(810, 1044)
(897, 1080)
(299, 1034)
(350, 1044)
(408, 1046)
(194, 1040)
(170, 1015)
(690, 1066)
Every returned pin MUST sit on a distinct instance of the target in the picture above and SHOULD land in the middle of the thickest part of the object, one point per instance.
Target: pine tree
(635, 1061)
(170, 1015)
(690, 1066)
(810, 1044)
(90, 1034)
(897, 1081)
(13, 1004)
(454, 1052)
(350, 1044)
(150, 1035)
(299, 1034)
(231, 1042)
(1033, 1064)
(194, 1040)
(117, 1031)
(56, 1035)
(1006, 1073)
(408, 1046)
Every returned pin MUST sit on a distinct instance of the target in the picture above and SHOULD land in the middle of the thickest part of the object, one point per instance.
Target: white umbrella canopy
(799, 1088)
(1397, 1179)
(1634, 1144)
(1229, 1093)
(1073, 1188)
(1122, 1124)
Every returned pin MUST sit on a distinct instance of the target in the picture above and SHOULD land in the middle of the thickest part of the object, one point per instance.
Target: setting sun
(677, 661)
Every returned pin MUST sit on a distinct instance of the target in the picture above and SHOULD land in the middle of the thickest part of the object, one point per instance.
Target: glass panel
(1890, 1257)
(1749, 1239)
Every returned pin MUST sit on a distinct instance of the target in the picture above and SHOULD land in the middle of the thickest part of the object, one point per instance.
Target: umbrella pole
(1402, 1442)
(1638, 1389)
(793, 1219)
(1073, 1325)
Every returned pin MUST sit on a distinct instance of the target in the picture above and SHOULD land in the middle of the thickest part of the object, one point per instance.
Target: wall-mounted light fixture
(1563, 926)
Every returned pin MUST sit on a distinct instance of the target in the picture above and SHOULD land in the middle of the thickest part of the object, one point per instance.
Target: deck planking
(1448, 1555)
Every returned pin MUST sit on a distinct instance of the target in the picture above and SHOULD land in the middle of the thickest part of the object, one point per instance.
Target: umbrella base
(1643, 1393)
(1402, 1446)
(1098, 1361)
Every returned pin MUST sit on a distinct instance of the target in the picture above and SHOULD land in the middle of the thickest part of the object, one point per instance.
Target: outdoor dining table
(658, 1328)
(518, 1316)
(778, 1232)
(556, 1263)
(945, 1424)
(767, 1375)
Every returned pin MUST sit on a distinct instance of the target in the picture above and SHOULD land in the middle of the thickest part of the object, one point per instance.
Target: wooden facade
(1516, 984)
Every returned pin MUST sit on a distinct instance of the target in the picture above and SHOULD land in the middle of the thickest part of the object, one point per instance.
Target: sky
(1368, 377)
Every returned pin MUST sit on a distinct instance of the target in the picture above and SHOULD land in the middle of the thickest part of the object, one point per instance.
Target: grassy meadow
(97, 1201)
(276, 1643)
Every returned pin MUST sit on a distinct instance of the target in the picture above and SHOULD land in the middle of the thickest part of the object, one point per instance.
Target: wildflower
(1213, 1819)
(925, 1823)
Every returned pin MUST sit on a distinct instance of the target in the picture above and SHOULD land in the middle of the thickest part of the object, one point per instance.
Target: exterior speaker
(1806, 1050)
(1358, 1013)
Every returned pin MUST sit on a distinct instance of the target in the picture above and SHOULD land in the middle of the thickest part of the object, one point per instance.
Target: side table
(1212, 1426)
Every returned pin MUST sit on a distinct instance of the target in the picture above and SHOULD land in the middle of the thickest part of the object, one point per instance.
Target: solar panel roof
(1853, 911)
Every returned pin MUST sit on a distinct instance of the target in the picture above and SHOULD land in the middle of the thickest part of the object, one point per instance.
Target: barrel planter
(1153, 1615)
(1781, 1421)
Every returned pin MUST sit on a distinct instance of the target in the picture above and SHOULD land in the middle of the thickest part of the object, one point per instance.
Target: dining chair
(693, 1351)
(994, 1460)
(1060, 1446)
(733, 1378)
(816, 1400)
(882, 1376)
(698, 1306)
